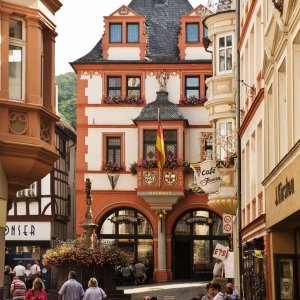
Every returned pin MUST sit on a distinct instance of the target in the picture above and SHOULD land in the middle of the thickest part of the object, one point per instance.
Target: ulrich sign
(28, 231)
(283, 191)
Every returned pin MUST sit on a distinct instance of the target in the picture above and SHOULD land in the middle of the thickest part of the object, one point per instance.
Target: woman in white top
(94, 292)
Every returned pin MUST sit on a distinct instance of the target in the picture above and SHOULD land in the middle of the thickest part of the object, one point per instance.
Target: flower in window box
(148, 164)
(193, 100)
(112, 167)
(122, 100)
(113, 99)
(171, 162)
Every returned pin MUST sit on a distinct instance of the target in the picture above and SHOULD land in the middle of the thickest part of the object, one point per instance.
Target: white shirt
(19, 270)
(35, 269)
(219, 296)
(94, 293)
(218, 270)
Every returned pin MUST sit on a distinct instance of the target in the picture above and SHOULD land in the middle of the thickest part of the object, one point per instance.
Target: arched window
(131, 230)
(195, 235)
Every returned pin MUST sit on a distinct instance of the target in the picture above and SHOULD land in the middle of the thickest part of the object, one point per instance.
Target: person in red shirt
(37, 292)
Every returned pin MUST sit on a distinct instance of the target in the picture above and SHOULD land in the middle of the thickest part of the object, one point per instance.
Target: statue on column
(162, 80)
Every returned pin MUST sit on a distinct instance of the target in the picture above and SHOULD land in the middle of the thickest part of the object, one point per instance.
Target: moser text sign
(283, 191)
(28, 231)
(208, 179)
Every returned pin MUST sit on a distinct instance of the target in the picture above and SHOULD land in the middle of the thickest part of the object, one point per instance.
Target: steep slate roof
(168, 110)
(162, 25)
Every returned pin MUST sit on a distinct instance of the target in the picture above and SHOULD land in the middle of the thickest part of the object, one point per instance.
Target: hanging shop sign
(126, 219)
(220, 251)
(208, 178)
(28, 231)
(227, 223)
(283, 191)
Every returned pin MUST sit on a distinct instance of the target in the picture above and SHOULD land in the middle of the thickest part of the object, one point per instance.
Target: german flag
(160, 147)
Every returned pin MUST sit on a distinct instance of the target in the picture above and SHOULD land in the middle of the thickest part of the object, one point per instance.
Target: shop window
(115, 33)
(131, 231)
(133, 87)
(16, 59)
(224, 54)
(114, 86)
(170, 141)
(192, 33)
(113, 150)
(132, 33)
(192, 86)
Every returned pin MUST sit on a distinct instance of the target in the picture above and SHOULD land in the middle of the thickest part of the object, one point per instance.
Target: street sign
(227, 223)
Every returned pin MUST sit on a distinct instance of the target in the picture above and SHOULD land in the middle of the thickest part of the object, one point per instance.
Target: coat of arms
(149, 177)
(170, 178)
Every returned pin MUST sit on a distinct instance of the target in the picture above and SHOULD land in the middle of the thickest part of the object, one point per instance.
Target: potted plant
(133, 168)
(171, 162)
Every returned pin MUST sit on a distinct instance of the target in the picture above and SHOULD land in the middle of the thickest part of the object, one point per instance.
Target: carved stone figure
(162, 80)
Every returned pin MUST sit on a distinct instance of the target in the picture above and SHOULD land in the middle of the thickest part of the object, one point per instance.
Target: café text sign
(208, 178)
(284, 190)
(28, 231)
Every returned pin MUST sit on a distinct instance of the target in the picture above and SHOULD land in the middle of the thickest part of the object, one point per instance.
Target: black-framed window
(132, 33)
(131, 231)
(113, 150)
(133, 88)
(115, 33)
(192, 86)
(114, 86)
(192, 32)
(209, 148)
(170, 141)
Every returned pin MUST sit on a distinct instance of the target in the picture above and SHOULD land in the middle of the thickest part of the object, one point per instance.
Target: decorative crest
(123, 11)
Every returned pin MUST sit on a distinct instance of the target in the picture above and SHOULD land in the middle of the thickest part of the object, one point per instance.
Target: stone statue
(162, 80)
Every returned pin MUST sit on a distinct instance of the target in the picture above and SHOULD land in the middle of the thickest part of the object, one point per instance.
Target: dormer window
(192, 32)
(115, 33)
(132, 33)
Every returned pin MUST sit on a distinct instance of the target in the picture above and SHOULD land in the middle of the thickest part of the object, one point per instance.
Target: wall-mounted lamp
(250, 90)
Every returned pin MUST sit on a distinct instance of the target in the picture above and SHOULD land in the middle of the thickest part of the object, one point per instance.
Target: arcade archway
(195, 235)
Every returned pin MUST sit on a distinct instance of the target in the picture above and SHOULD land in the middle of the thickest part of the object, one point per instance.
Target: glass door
(285, 277)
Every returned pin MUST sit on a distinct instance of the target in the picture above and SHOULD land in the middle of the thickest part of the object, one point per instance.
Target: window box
(112, 167)
(190, 101)
(123, 100)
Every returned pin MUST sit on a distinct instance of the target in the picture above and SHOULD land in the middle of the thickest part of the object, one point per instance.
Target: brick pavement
(181, 291)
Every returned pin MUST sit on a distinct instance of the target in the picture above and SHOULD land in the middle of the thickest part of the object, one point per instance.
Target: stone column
(161, 275)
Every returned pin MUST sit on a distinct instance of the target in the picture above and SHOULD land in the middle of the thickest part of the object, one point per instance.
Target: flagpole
(159, 169)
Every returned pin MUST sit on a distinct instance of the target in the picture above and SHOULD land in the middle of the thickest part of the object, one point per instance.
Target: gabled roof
(162, 28)
(168, 110)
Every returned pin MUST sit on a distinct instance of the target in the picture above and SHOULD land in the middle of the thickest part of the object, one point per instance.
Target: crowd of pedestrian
(22, 282)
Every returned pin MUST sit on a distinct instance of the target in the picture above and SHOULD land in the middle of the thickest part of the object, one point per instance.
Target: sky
(80, 27)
